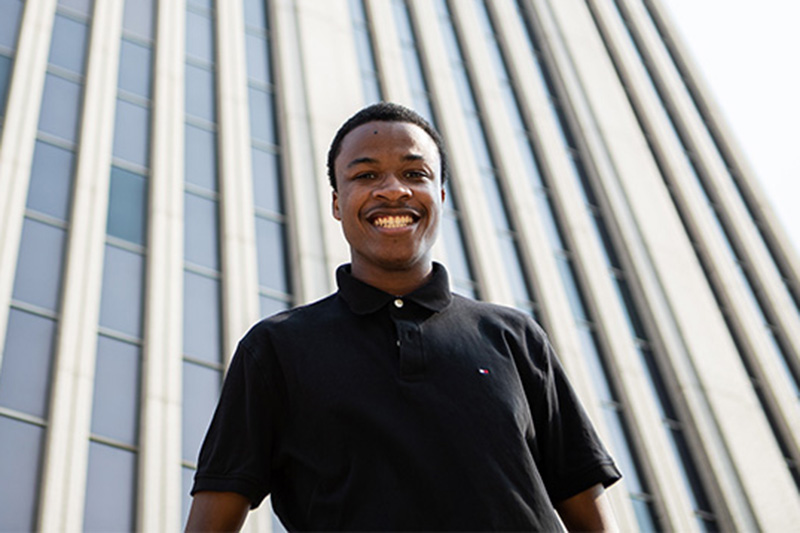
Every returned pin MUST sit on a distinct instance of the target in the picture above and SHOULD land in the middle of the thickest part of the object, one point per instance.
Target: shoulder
(496, 316)
(299, 320)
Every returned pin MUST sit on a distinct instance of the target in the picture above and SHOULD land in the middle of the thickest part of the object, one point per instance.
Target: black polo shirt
(366, 411)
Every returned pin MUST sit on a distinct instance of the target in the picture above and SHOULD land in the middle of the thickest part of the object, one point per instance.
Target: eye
(416, 174)
(369, 175)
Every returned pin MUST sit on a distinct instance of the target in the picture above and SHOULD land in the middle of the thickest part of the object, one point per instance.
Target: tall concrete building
(162, 187)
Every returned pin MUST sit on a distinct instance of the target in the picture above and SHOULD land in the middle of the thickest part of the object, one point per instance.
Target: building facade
(162, 187)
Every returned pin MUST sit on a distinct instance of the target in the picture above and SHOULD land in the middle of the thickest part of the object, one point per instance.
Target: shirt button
(398, 303)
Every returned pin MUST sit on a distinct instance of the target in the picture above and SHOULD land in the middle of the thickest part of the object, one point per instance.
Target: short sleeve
(571, 458)
(237, 453)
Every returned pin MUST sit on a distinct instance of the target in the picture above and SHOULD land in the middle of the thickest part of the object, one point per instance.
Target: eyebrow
(370, 160)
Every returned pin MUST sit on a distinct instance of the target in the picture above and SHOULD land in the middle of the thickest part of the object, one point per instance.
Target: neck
(396, 282)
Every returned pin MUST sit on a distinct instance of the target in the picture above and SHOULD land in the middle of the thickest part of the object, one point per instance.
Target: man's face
(389, 198)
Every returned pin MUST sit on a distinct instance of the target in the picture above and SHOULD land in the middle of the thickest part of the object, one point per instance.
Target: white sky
(749, 54)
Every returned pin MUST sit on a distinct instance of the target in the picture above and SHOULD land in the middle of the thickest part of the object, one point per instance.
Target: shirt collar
(363, 298)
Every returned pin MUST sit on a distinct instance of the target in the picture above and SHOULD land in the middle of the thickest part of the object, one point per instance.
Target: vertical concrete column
(659, 461)
(388, 52)
(238, 239)
(302, 167)
(159, 495)
(743, 455)
(476, 220)
(720, 264)
(19, 138)
(67, 448)
(329, 70)
(745, 236)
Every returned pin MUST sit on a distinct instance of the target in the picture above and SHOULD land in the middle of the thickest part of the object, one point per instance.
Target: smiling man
(394, 404)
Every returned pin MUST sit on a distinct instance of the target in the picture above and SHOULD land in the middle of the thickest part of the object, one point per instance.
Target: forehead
(385, 139)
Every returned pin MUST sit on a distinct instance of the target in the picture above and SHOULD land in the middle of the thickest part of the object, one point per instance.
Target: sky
(748, 52)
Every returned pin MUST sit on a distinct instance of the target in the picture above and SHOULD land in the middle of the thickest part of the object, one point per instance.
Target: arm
(587, 511)
(217, 511)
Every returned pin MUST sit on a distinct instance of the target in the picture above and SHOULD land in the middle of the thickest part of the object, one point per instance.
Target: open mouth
(393, 221)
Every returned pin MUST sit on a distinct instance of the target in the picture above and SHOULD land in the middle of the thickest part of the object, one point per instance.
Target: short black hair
(384, 112)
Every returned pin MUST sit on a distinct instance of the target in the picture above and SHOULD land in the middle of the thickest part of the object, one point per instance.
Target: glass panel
(200, 161)
(126, 206)
(595, 366)
(20, 450)
(5, 79)
(464, 289)
(364, 51)
(262, 125)
(202, 4)
(457, 263)
(620, 449)
(602, 237)
(135, 63)
(644, 515)
(200, 93)
(131, 138)
(266, 181)
(529, 162)
(494, 200)
(60, 107)
(201, 386)
(68, 45)
(372, 91)
(199, 37)
(258, 67)
(271, 255)
(121, 300)
(110, 489)
(357, 13)
(514, 274)
(41, 254)
(138, 18)
(547, 217)
(254, 14)
(81, 6)
(27, 359)
(402, 22)
(201, 327)
(10, 15)
(479, 147)
(414, 74)
(270, 306)
(626, 299)
(51, 180)
(464, 90)
(116, 390)
(570, 282)
(201, 231)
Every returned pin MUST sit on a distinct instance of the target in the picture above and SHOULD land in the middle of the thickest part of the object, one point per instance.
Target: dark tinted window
(126, 206)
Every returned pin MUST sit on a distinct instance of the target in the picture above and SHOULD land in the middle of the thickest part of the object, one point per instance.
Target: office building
(162, 187)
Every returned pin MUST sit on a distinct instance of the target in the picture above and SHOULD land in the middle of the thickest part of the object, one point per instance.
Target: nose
(392, 188)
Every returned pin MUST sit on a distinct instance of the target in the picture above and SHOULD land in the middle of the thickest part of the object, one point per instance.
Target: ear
(335, 206)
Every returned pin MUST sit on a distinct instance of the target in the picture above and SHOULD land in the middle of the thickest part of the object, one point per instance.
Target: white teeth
(393, 222)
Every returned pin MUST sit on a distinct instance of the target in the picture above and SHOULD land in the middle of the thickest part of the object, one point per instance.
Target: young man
(394, 404)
